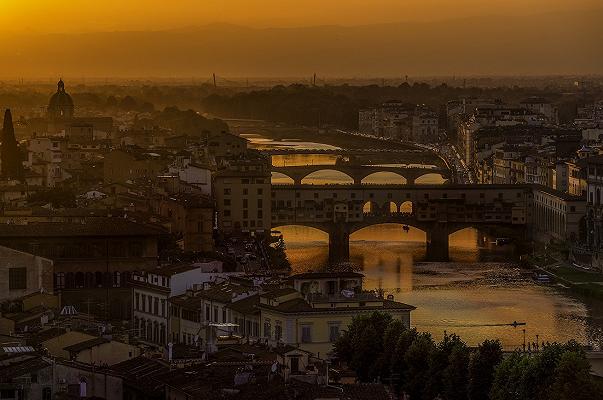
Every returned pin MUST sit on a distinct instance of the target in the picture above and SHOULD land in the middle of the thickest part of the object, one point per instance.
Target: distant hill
(555, 43)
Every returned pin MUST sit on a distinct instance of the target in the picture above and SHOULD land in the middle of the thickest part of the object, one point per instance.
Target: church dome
(61, 103)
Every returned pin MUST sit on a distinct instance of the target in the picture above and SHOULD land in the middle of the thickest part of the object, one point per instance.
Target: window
(59, 280)
(260, 191)
(226, 202)
(306, 333)
(137, 301)
(294, 364)
(333, 333)
(278, 331)
(226, 191)
(207, 313)
(267, 329)
(223, 315)
(245, 191)
(332, 287)
(17, 278)
(245, 203)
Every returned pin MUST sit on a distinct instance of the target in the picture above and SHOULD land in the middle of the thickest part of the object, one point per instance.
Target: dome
(61, 103)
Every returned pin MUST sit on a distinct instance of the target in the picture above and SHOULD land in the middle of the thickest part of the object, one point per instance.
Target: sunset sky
(50, 16)
(292, 38)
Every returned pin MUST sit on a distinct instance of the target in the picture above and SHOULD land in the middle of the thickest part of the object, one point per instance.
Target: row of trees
(339, 105)
(188, 122)
(379, 348)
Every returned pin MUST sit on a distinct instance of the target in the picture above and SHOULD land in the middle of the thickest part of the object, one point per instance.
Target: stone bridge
(358, 172)
(438, 210)
(340, 151)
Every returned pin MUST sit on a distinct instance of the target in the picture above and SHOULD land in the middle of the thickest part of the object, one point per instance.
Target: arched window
(116, 279)
(79, 279)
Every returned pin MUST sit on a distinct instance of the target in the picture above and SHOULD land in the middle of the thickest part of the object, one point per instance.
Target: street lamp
(524, 340)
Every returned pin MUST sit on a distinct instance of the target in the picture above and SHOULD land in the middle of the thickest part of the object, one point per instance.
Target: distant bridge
(438, 210)
(358, 172)
(344, 152)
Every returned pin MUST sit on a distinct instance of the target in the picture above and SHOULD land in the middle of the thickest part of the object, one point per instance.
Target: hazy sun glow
(84, 15)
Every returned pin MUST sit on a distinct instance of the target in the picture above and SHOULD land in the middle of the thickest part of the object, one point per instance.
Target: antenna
(214, 75)
(314, 80)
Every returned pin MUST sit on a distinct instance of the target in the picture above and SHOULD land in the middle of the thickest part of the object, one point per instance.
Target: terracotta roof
(15, 370)
(273, 294)
(76, 348)
(141, 372)
(98, 227)
(48, 334)
(323, 275)
(247, 305)
(302, 306)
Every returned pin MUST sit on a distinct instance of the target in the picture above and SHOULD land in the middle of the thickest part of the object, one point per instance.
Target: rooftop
(246, 306)
(88, 344)
(97, 227)
(326, 275)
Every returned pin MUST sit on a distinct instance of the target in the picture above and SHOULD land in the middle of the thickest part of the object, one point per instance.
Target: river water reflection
(481, 289)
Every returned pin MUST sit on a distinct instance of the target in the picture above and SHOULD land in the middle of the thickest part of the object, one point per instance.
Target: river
(474, 295)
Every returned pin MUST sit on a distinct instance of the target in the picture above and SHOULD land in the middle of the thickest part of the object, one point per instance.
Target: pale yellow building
(314, 322)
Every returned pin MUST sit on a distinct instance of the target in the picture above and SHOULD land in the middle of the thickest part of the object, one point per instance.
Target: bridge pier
(339, 243)
(410, 181)
(437, 243)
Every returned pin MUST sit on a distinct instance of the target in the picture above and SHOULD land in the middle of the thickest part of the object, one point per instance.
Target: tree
(11, 164)
(390, 339)
(417, 365)
(128, 103)
(366, 347)
(572, 379)
(438, 362)
(361, 345)
(111, 102)
(481, 369)
(456, 374)
(508, 383)
(277, 253)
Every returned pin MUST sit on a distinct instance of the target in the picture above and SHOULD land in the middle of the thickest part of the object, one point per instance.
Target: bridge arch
(384, 177)
(332, 176)
(278, 178)
(315, 229)
(429, 178)
(397, 225)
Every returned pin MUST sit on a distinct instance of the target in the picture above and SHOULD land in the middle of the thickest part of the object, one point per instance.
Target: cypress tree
(10, 155)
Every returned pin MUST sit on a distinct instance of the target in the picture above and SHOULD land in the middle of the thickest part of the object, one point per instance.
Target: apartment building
(242, 195)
